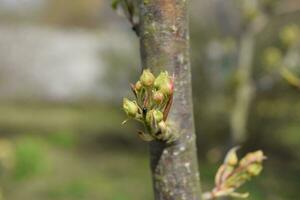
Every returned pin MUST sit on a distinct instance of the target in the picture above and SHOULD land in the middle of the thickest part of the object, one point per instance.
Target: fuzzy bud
(157, 115)
(256, 156)
(164, 83)
(154, 115)
(161, 79)
(254, 169)
(138, 86)
(231, 157)
(163, 126)
(147, 78)
(130, 107)
(158, 97)
(167, 88)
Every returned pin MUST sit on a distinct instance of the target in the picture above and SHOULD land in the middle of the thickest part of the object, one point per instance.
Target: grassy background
(69, 152)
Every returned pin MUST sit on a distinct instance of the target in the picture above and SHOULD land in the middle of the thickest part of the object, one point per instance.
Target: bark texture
(164, 37)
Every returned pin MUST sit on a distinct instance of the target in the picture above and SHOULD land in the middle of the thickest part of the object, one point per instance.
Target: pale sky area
(20, 4)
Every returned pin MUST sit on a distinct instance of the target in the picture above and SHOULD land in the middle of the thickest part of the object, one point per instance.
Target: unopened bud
(256, 156)
(163, 126)
(158, 97)
(167, 88)
(154, 115)
(259, 155)
(130, 107)
(254, 169)
(149, 117)
(158, 116)
(164, 83)
(147, 78)
(161, 79)
(231, 157)
(138, 86)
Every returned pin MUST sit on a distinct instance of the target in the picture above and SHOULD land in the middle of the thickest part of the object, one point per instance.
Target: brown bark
(164, 38)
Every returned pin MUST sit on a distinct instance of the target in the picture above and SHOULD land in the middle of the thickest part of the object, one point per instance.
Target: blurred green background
(65, 66)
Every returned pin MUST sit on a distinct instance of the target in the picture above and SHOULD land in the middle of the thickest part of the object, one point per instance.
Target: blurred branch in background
(255, 21)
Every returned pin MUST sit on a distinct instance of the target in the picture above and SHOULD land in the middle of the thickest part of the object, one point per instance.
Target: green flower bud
(259, 155)
(147, 78)
(130, 107)
(158, 97)
(149, 117)
(138, 86)
(158, 116)
(254, 169)
(154, 115)
(167, 88)
(163, 126)
(289, 34)
(164, 83)
(231, 157)
(161, 79)
(256, 156)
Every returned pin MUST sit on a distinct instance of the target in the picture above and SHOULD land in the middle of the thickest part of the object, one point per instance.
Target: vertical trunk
(164, 41)
(245, 89)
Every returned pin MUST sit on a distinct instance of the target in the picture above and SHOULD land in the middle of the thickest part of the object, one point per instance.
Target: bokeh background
(66, 64)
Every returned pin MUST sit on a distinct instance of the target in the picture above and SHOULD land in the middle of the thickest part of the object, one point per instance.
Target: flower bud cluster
(153, 99)
(234, 173)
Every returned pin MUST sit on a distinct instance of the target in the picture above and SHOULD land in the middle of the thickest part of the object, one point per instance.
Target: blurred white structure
(54, 64)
